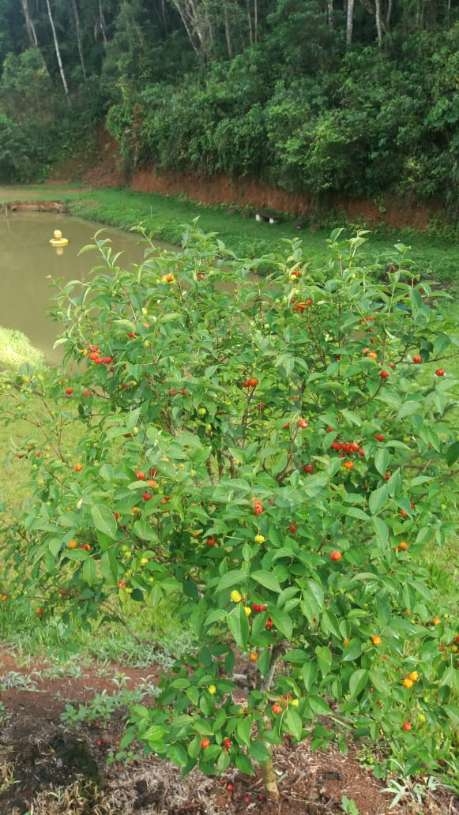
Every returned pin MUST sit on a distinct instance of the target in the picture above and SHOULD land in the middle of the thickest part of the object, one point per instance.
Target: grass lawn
(165, 217)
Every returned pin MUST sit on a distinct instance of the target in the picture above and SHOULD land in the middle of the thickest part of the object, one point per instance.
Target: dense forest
(355, 97)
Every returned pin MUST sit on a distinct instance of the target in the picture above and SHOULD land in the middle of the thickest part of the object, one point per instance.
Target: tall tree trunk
(58, 51)
(388, 14)
(330, 13)
(102, 23)
(76, 16)
(378, 22)
(30, 27)
(229, 46)
(249, 18)
(349, 22)
(255, 19)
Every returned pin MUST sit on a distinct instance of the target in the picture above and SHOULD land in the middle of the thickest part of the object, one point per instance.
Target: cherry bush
(271, 453)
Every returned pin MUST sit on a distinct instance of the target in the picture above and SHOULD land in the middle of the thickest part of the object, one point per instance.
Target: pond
(28, 264)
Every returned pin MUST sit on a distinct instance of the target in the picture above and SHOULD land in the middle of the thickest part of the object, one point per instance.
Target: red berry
(407, 726)
(86, 393)
(211, 541)
(227, 744)
(276, 709)
(335, 555)
(440, 372)
(140, 475)
(379, 436)
(257, 507)
(147, 496)
(250, 383)
(68, 391)
(269, 624)
(384, 374)
(302, 423)
(308, 468)
(205, 743)
(292, 528)
(417, 359)
(230, 787)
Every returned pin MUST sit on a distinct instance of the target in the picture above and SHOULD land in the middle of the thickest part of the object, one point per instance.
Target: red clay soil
(50, 769)
(242, 192)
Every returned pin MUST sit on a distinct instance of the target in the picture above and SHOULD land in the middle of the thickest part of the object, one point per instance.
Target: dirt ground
(47, 768)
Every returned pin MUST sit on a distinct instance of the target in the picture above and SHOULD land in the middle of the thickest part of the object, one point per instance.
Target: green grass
(16, 350)
(166, 216)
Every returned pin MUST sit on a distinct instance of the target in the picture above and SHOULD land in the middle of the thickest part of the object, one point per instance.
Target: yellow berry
(295, 702)
(414, 676)
(235, 596)
(260, 538)
(212, 690)
(247, 611)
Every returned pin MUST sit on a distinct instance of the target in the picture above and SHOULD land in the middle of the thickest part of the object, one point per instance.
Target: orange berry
(335, 555)
(376, 639)
(72, 544)
(78, 468)
(407, 682)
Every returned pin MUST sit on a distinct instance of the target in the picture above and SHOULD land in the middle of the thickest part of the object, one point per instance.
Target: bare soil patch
(47, 768)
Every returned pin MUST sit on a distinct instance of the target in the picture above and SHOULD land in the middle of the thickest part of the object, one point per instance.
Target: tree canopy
(355, 97)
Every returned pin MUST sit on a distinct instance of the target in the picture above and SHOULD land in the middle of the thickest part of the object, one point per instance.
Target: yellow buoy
(57, 240)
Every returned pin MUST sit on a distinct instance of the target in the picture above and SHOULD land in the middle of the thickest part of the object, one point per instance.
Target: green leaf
(352, 651)
(382, 459)
(308, 673)
(293, 723)
(104, 521)
(357, 683)
(324, 659)
(89, 572)
(223, 761)
(243, 764)
(318, 706)
(317, 592)
(381, 529)
(154, 734)
(282, 621)
(238, 625)
(452, 453)
(259, 751)
(178, 755)
(267, 579)
(377, 499)
(233, 578)
(243, 731)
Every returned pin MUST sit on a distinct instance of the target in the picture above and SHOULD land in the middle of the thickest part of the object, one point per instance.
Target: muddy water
(28, 264)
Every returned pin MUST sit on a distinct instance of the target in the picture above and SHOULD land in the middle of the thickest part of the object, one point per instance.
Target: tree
(57, 50)
(30, 26)
(271, 455)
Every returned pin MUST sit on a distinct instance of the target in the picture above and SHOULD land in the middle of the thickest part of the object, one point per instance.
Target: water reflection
(28, 265)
